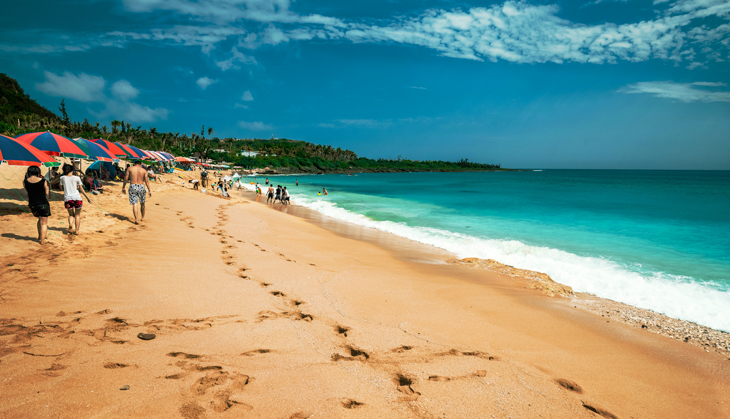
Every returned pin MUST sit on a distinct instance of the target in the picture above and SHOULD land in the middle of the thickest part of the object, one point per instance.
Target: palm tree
(210, 131)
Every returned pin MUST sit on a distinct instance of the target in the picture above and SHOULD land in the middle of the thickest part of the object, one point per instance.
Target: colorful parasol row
(38, 147)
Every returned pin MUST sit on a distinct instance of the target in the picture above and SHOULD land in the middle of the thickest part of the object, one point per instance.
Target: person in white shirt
(72, 190)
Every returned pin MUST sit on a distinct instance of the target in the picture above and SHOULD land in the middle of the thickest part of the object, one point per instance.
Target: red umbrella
(130, 152)
(95, 150)
(115, 149)
(16, 153)
(53, 144)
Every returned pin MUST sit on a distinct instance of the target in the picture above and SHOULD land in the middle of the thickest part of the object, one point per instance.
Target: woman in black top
(38, 191)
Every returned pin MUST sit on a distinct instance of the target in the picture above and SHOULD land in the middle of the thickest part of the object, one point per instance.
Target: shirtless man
(136, 176)
(270, 193)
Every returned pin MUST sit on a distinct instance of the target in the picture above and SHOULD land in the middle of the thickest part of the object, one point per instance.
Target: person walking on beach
(204, 178)
(285, 196)
(72, 190)
(38, 189)
(137, 177)
(270, 194)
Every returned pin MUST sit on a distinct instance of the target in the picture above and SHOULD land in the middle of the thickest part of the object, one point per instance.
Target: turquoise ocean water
(654, 239)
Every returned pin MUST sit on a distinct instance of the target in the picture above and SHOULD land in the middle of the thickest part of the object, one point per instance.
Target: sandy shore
(261, 314)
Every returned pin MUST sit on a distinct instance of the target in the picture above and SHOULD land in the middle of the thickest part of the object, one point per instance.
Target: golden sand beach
(262, 314)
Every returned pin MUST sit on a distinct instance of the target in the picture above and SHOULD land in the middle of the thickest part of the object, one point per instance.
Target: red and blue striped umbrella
(16, 153)
(53, 144)
(155, 155)
(115, 149)
(168, 155)
(140, 154)
(97, 151)
(130, 153)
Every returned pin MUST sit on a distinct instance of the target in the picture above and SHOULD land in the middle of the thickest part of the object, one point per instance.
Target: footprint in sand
(569, 385)
(355, 354)
(404, 384)
(342, 330)
(256, 352)
(351, 404)
(606, 414)
(115, 365)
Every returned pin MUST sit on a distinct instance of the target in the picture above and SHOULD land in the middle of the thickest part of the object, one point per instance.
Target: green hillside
(16, 104)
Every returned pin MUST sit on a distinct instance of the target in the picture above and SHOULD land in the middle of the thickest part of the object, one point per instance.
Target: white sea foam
(678, 297)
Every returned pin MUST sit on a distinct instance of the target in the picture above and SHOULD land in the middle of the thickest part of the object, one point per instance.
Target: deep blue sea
(654, 239)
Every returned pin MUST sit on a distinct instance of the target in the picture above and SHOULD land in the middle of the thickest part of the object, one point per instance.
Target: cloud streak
(685, 92)
(255, 126)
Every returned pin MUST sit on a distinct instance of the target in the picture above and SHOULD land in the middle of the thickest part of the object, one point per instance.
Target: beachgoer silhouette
(137, 177)
(38, 189)
(72, 190)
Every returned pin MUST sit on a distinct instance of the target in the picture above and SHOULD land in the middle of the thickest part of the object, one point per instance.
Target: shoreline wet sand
(259, 314)
(696, 334)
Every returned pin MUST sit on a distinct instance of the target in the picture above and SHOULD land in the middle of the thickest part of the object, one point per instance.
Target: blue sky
(634, 84)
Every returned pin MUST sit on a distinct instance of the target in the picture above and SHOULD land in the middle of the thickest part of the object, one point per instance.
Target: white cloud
(417, 87)
(247, 96)
(239, 105)
(231, 10)
(369, 123)
(133, 112)
(124, 90)
(274, 35)
(204, 36)
(685, 92)
(92, 89)
(204, 82)
(236, 57)
(255, 126)
(84, 88)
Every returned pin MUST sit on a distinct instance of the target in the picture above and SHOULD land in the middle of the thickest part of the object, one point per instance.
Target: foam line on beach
(675, 296)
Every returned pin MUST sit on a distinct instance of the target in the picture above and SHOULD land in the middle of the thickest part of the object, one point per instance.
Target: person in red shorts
(72, 190)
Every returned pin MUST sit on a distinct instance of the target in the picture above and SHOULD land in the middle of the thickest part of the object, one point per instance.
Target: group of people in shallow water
(39, 189)
(280, 194)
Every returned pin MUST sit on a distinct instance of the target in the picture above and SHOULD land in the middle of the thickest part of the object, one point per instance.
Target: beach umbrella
(165, 156)
(168, 155)
(184, 160)
(115, 149)
(95, 151)
(139, 151)
(53, 144)
(128, 150)
(17, 153)
(155, 155)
